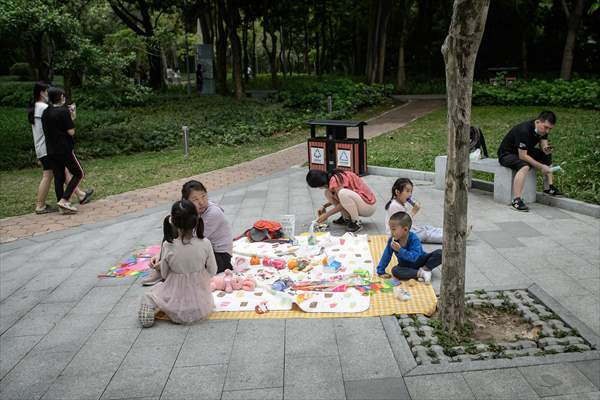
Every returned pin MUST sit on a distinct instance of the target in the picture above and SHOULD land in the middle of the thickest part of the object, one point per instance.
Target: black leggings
(408, 270)
(69, 161)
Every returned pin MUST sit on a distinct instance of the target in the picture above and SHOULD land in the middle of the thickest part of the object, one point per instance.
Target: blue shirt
(408, 253)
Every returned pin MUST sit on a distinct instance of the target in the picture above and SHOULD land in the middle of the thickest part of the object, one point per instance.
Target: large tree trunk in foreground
(460, 51)
(574, 18)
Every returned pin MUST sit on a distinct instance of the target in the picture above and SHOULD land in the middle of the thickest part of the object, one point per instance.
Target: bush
(580, 93)
(23, 71)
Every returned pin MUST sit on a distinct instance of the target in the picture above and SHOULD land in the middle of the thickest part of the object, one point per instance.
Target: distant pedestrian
(59, 129)
(199, 78)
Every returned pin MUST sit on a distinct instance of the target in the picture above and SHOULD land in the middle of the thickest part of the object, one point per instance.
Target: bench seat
(503, 178)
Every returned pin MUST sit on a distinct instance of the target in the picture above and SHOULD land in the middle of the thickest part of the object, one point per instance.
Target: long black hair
(38, 88)
(399, 185)
(54, 95)
(184, 218)
(316, 178)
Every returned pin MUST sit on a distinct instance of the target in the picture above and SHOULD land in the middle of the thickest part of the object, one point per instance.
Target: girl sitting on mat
(186, 265)
(401, 196)
(216, 230)
(347, 193)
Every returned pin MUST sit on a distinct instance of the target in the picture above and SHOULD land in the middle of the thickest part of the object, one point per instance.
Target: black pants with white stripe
(69, 161)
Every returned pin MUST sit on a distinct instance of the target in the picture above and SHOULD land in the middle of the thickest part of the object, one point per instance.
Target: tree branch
(127, 18)
(566, 8)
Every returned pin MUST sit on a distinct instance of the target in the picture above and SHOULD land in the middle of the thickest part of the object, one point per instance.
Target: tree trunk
(524, 67)
(272, 53)
(306, 61)
(574, 18)
(386, 11)
(373, 12)
(221, 38)
(401, 77)
(253, 54)
(245, 57)
(282, 59)
(460, 52)
(155, 63)
(236, 52)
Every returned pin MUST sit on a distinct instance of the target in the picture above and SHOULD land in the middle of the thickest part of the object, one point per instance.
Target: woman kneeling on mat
(347, 193)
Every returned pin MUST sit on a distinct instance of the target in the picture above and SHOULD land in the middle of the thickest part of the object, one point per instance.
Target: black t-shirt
(522, 136)
(56, 121)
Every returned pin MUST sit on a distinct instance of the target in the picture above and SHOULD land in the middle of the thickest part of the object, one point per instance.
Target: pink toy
(229, 282)
(276, 263)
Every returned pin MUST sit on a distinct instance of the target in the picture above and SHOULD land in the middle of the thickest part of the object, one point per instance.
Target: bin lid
(335, 122)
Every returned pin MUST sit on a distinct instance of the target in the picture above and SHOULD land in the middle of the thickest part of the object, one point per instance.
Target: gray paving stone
(364, 350)
(578, 396)
(254, 394)
(500, 239)
(200, 382)
(499, 384)
(552, 213)
(231, 200)
(313, 378)
(70, 333)
(17, 305)
(256, 364)
(591, 369)
(321, 341)
(40, 320)
(88, 387)
(103, 352)
(519, 229)
(163, 333)
(33, 375)
(100, 300)
(148, 367)
(377, 389)
(13, 349)
(443, 386)
(208, 342)
(557, 379)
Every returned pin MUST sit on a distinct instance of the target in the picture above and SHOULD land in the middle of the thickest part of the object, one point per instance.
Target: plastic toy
(254, 260)
(276, 263)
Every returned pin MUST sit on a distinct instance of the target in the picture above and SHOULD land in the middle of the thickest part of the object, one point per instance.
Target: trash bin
(335, 149)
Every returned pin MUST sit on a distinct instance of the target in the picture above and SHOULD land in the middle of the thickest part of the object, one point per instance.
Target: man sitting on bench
(518, 151)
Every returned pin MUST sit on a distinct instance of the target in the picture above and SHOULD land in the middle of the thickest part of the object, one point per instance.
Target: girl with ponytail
(187, 262)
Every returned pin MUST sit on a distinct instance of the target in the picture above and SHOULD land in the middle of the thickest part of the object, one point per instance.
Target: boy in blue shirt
(413, 261)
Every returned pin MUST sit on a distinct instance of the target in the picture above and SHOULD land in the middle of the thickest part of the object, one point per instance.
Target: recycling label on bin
(344, 158)
(317, 155)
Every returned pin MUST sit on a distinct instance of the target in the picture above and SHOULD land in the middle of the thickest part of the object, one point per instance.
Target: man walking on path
(518, 151)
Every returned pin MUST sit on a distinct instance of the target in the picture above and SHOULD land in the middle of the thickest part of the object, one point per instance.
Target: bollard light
(186, 134)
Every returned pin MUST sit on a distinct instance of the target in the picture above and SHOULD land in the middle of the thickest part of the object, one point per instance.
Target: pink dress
(185, 295)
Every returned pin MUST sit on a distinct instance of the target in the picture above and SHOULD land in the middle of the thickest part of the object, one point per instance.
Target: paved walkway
(65, 334)
(25, 226)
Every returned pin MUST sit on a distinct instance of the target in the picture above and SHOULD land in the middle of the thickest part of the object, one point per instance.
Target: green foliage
(23, 71)
(580, 93)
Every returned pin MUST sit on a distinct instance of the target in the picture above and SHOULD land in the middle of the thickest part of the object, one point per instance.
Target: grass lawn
(122, 173)
(576, 141)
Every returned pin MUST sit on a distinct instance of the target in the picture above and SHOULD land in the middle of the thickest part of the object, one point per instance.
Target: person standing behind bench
(59, 129)
(518, 151)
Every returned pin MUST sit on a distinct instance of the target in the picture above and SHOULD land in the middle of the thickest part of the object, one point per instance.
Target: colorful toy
(276, 263)
(281, 284)
(292, 263)
(254, 260)
(229, 282)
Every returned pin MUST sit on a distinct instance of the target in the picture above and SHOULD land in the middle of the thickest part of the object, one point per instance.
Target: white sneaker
(152, 279)
(424, 276)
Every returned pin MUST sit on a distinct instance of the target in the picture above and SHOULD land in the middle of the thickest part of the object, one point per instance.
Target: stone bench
(503, 179)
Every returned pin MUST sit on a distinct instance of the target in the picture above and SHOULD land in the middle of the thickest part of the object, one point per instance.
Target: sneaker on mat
(519, 205)
(146, 315)
(152, 279)
(423, 275)
(353, 226)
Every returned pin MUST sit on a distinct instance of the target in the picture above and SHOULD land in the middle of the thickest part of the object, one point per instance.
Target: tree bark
(236, 51)
(271, 53)
(245, 57)
(306, 61)
(221, 41)
(253, 53)
(386, 12)
(574, 18)
(460, 52)
(401, 77)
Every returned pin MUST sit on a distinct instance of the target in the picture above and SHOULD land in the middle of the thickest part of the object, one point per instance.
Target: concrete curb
(404, 358)
(577, 206)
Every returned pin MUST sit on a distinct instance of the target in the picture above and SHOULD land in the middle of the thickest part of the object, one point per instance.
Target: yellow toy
(292, 263)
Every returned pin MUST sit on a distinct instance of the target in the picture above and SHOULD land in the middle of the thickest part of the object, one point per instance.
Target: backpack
(263, 230)
(477, 141)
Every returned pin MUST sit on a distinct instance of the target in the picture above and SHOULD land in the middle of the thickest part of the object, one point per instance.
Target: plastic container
(556, 168)
(288, 225)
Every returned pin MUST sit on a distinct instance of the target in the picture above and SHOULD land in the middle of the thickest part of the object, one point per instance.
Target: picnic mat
(423, 299)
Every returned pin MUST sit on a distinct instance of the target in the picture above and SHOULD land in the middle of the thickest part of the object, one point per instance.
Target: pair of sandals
(66, 209)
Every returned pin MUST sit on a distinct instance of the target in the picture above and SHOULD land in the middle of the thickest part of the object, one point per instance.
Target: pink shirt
(353, 182)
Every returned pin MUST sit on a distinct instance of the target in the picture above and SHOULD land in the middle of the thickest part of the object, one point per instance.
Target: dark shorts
(223, 261)
(513, 161)
(46, 163)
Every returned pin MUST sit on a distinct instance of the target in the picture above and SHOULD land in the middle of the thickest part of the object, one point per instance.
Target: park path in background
(29, 225)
